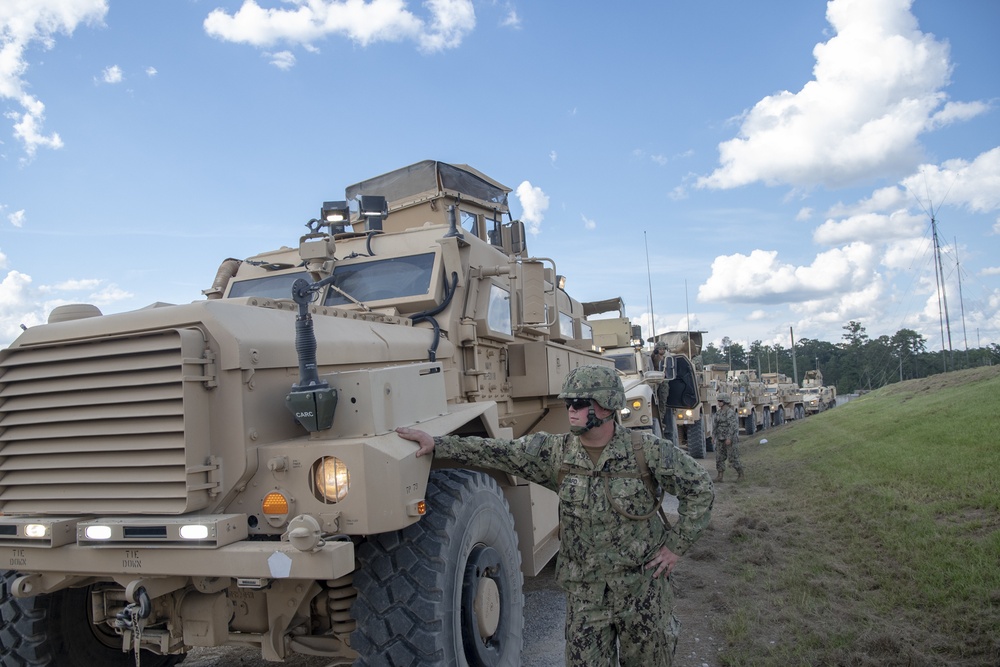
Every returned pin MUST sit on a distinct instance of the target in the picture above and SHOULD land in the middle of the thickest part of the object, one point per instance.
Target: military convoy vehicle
(621, 341)
(226, 472)
(754, 404)
(790, 401)
(691, 425)
(815, 395)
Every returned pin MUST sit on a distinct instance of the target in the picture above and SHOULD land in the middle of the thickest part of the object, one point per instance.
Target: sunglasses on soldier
(578, 403)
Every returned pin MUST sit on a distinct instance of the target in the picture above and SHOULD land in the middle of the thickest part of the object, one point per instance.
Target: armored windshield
(278, 286)
(625, 363)
(379, 279)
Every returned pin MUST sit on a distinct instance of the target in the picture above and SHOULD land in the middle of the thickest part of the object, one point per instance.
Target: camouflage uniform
(726, 426)
(602, 553)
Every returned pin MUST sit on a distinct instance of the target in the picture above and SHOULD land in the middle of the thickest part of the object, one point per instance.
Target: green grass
(870, 534)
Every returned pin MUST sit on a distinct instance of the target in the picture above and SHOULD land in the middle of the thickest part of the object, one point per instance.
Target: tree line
(857, 363)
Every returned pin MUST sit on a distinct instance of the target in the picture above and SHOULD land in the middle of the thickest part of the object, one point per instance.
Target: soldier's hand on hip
(664, 561)
(425, 442)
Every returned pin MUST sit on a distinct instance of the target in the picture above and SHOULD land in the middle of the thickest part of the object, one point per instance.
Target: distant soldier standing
(726, 427)
(615, 543)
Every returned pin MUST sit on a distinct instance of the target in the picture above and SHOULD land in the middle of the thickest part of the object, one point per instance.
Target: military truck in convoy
(790, 402)
(753, 403)
(691, 425)
(621, 341)
(226, 472)
(815, 395)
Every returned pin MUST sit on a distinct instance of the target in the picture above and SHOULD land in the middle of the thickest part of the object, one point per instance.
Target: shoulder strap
(640, 459)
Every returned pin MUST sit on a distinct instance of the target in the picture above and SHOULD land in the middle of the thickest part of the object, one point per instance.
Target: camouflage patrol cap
(725, 398)
(599, 383)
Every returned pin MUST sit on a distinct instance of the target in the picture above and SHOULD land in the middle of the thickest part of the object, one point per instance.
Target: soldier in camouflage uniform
(726, 427)
(615, 542)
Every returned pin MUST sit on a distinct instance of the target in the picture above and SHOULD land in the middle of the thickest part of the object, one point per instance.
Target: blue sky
(776, 161)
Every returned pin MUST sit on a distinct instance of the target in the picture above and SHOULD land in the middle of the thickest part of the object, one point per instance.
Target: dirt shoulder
(701, 579)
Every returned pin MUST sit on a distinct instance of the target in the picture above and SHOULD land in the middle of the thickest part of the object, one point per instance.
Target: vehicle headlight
(36, 530)
(625, 413)
(637, 404)
(330, 479)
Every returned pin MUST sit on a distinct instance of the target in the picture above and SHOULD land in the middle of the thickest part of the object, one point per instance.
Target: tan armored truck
(690, 424)
(226, 472)
(790, 402)
(815, 395)
(754, 404)
(621, 341)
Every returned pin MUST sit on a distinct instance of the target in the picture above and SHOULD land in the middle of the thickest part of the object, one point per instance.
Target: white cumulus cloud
(303, 22)
(878, 85)
(112, 74)
(761, 278)
(534, 203)
(24, 23)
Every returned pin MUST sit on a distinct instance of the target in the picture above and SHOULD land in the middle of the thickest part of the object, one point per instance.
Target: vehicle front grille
(108, 425)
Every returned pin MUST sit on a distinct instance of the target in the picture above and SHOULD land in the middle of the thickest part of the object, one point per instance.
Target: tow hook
(134, 611)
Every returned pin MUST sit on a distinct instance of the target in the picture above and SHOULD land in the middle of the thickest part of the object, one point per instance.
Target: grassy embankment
(870, 534)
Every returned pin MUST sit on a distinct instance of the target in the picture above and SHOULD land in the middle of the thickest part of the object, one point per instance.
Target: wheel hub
(487, 607)
(483, 618)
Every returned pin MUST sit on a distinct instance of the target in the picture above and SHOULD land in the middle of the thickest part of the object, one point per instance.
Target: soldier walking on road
(615, 541)
(726, 427)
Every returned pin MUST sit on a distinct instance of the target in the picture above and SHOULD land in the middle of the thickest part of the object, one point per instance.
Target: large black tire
(765, 423)
(696, 440)
(416, 587)
(780, 416)
(751, 423)
(54, 630)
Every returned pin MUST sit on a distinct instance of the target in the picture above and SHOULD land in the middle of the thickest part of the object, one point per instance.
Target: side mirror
(517, 240)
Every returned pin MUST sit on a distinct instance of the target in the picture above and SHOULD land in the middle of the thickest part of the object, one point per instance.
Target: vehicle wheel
(448, 589)
(696, 440)
(766, 423)
(780, 418)
(55, 630)
(710, 444)
(751, 423)
(801, 411)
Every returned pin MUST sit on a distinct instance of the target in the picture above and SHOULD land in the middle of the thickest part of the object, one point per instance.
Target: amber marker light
(274, 503)
(417, 508)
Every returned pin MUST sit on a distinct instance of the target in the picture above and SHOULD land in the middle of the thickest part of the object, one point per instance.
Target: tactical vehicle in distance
(621, 341)
(226, 471)
(790, 403)
(754, 404)
(691, 423)
(815, 395)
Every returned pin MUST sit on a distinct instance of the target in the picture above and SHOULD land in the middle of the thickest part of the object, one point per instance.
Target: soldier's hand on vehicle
(424, 440)
(664, 561)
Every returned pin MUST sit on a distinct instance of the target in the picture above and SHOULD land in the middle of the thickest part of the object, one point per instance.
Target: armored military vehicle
(621, 341)
(754, 404)
(816, 396)
(790, 402)
(226, 471)
(690, 421)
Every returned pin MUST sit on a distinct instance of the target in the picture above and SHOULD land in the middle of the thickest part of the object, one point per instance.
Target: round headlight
(330, 479)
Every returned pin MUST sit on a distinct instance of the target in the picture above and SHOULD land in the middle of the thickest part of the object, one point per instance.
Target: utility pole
(961, 301)
(942, 294)
(795, 367)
